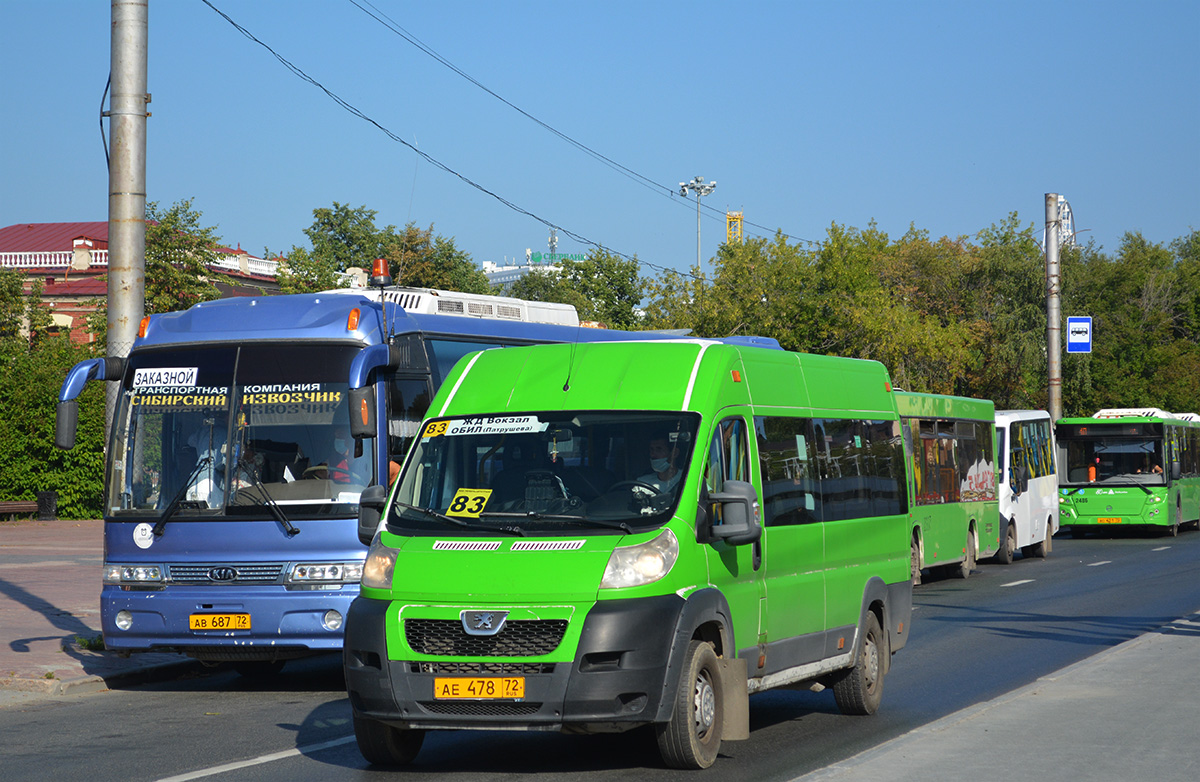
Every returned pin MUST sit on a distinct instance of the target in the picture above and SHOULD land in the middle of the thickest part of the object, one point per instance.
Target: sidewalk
(1128, 713)
(50, 611)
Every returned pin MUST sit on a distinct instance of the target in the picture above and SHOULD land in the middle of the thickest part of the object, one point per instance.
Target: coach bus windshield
(223, 431)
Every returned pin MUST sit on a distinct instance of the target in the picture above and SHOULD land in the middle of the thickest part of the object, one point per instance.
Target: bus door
(736, 570)
(793, 537)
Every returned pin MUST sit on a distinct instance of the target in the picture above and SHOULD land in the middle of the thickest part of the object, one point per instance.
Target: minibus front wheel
(692, 737)
(383, 745)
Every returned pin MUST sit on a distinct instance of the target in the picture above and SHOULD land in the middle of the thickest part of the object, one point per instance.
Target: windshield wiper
(273, 506)
(451, 520)
(177, 500)
(537, 515)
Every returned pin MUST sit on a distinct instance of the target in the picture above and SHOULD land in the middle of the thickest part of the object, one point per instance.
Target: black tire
(384, 745)
(691, 738)
(914, 562)
(964, 568)
(860, 689)
(1008, 547)
(258, 669)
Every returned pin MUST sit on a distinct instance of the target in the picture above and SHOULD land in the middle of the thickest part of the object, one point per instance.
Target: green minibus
(595, 537)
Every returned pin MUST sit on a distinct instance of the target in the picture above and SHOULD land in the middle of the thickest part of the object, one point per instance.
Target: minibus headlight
(325, 572)
(132, 574)
(642, 564)
(381, 562)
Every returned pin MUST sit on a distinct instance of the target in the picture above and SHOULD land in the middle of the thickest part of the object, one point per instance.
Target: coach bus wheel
(968, 564)
(383, 745)
(692, 736)
(915, 563)
(1005, 555)
(860, 689)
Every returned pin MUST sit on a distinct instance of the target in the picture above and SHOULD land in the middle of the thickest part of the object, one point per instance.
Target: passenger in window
(663, 453)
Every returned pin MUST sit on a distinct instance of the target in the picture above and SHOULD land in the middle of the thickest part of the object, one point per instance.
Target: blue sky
(944, 115)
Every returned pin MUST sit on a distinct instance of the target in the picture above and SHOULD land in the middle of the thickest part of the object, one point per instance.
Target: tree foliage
(33, 363)
(343, 237)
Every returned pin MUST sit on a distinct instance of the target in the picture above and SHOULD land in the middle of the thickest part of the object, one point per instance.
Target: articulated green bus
(1129, 467)
(953, 504)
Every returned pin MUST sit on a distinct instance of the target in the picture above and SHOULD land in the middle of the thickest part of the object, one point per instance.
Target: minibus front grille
(480, 708)
(225, 572)
(518, 638)
(490, 669)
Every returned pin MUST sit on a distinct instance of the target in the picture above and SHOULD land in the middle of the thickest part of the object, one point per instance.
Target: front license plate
(1108, 520)
(219, 621)
(479, 687)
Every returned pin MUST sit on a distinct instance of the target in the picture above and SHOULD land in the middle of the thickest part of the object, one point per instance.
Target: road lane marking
(258, 761)
(1160, 548)
(1017, 583)
(1104, 562)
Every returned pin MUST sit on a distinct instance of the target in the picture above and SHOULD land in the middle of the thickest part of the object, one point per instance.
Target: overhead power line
(297, 71)
(664, 190)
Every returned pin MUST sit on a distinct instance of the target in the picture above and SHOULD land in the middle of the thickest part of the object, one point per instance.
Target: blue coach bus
(233, 474)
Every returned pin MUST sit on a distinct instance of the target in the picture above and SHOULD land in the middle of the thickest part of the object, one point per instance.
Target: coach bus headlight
(381, 562)
(325, 573)
(645, 563)
(132, 574)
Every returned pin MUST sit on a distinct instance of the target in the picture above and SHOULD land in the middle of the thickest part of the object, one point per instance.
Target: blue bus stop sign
(1079, 334)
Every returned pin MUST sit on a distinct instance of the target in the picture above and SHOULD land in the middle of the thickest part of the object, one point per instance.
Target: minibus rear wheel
(383, 745)
(692, 737)
(859, 690)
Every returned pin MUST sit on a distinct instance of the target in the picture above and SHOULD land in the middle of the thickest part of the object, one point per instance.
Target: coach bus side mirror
(66, 419)
(739, 514)
(370, 510)
(1176, 471)
(362, 412)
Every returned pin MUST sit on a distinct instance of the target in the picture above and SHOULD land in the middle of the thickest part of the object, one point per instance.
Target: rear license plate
(1108, 520)
(479, 687)
(219, 621)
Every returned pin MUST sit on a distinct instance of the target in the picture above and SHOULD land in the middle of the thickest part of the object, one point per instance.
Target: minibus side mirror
(1176, 471)
(739, 514)
(370, 510)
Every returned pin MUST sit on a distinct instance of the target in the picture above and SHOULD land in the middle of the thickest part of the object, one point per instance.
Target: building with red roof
(71, 260)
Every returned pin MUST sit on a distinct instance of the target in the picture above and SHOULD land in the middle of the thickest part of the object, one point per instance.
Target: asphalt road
(971, 641)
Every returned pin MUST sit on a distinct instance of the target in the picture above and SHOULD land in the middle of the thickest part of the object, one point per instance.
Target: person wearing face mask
(665, 475)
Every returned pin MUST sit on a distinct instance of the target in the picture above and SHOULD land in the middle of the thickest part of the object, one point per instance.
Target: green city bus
(1129, 467)
(954, 507)
(595, 537)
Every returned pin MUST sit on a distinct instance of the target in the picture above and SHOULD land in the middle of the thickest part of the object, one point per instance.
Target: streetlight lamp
(701, 189)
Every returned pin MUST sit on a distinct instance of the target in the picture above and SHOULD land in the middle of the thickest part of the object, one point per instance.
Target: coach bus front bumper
(283, 623)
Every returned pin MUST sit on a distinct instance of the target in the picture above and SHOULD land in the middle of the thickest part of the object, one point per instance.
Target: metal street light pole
(701, 189)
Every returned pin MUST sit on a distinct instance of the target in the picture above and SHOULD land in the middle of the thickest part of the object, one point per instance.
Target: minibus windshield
(556, 472)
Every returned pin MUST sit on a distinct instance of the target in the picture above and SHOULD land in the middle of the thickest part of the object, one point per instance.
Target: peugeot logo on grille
(483, 622)
(222, 574)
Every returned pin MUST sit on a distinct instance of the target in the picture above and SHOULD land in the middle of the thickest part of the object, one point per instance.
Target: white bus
(1028, 485)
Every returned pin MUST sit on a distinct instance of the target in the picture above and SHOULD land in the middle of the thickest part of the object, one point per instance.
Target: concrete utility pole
(701, 189)
(1053, 308)
(127, 179)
